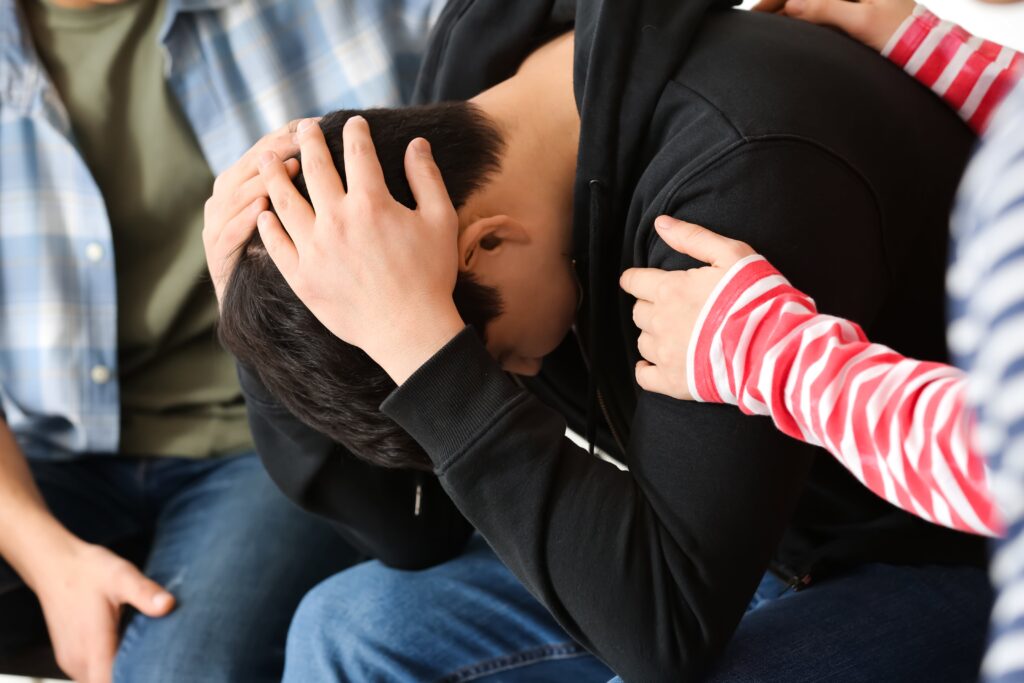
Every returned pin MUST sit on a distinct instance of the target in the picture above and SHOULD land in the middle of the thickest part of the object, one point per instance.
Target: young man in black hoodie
(725, 119)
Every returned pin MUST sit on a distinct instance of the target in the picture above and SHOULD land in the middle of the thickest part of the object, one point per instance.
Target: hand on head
(872, 22)
(239, 195)
(669, 303)
(377, 274)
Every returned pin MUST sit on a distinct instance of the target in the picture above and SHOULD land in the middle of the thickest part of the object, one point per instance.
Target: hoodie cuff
(453, 398)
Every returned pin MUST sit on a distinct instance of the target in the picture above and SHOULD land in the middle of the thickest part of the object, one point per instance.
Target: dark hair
(332, 386)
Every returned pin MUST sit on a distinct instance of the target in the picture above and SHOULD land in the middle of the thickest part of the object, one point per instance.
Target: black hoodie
(808, 146)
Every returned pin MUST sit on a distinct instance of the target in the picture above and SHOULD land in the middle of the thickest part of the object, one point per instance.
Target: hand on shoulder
(872, 22)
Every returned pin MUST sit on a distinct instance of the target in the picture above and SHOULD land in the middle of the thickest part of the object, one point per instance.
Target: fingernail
(305, 124)
(662, 223)
(421, 147)
(353, 119)
(162, 600)
(261, 220)
(266, 158)
(794, 6)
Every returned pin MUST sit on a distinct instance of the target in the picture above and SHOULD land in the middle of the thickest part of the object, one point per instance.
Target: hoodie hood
(624, 54)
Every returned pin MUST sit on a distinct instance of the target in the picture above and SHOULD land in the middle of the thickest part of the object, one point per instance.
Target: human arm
(986, 295)
(400, 517)
(738, 332)
(82, 587)
(970, 74)
(651, 569)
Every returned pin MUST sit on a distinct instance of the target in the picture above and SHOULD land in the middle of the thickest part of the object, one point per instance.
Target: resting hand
(872, 22)
(239, 195)
(669, 302)
(378, 275)
(82, 590)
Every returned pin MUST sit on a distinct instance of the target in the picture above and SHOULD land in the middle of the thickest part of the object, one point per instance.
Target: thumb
(698, 242)
(145, 595)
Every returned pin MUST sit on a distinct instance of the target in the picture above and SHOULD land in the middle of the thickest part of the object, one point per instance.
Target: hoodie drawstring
(593, 279)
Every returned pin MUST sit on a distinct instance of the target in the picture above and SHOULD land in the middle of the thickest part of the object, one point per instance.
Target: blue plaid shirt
(239, 68)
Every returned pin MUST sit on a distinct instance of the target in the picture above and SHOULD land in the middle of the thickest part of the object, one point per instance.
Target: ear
(488, 237)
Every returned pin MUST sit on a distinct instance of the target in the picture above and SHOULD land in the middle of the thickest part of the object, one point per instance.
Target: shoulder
(771, 74)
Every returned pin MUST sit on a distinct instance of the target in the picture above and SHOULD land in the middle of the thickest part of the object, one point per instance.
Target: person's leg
(466, 620)
(877, 623)
(238, 556)
(88, 496)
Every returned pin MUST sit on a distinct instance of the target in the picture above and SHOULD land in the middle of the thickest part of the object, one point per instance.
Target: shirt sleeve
(971, 74)
(986, 293)
(898, 425)
(402, 518)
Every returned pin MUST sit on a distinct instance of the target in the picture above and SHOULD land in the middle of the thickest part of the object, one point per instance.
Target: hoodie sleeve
(375, 509)
(650, 569)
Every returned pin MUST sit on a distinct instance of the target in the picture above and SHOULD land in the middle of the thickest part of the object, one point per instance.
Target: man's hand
(239, 195)
(82, 589)
(670, 302)
(872, 22)
(378, 275)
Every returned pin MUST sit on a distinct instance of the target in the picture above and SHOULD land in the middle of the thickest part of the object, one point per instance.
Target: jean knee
(348, 623)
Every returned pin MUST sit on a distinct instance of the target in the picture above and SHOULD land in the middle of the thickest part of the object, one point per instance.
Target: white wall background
(1001, 23)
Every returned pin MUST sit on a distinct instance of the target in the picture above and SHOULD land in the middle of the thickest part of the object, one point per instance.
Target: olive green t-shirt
(179, 391)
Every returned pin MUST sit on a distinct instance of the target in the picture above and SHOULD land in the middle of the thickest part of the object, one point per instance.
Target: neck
(536, 112)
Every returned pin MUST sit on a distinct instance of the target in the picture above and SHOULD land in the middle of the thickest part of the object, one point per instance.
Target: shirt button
(94, 251)
(100, 374)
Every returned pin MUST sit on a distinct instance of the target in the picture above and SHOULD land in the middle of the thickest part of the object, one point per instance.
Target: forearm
(400, 517)
(897, 424)
(658, 562)
(27, 528)
(971, 75)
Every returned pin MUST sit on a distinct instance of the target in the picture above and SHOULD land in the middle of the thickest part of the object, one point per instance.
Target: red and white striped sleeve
(971, 74)
(897, 424)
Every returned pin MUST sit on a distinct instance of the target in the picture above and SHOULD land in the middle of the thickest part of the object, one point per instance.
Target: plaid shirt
(238, 68)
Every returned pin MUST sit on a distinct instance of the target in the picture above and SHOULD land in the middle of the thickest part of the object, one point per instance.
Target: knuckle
(315, 164)
(237, 195)
(209, 208)
(665, 288)
(359, 148)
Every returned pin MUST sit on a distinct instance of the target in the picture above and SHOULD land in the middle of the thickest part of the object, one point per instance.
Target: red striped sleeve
(971, 75)
(896, 424)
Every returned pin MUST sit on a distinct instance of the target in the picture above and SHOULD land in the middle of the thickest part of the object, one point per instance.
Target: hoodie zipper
(600, 397)
(608, 421)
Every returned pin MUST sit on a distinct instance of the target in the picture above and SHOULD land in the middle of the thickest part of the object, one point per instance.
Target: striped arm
(971, 74)
(897, 424)
(986, 291)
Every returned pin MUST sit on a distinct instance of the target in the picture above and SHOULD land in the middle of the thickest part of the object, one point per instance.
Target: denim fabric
(237, 555)
(873, 624)
(471, 620)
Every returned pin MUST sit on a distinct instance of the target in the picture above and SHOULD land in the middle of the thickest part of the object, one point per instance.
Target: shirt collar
(23, 79)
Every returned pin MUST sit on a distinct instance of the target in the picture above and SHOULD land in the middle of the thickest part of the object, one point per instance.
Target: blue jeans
(471, 620)
(237, 555)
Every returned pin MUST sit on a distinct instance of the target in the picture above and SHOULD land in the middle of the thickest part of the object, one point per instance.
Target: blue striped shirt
(238, 68)
(986, 288)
